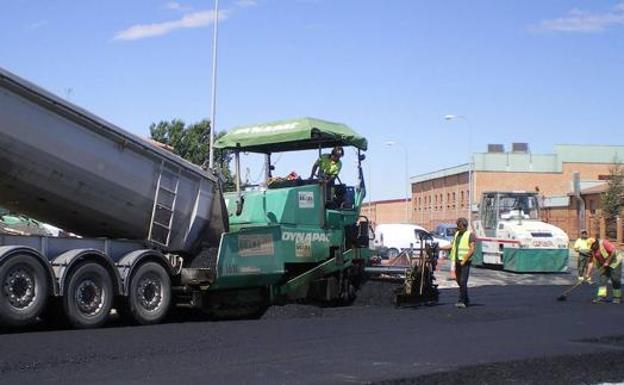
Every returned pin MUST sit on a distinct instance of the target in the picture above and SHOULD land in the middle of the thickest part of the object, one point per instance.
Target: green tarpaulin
(529, 260)
(536, 260)
(290, 135)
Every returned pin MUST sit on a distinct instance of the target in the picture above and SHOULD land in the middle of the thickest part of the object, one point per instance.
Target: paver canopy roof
(290, 135)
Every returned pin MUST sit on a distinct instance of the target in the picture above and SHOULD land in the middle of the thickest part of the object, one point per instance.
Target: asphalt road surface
(516, 333)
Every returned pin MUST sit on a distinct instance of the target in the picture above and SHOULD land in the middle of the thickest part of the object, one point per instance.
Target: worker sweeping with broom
(608, 262)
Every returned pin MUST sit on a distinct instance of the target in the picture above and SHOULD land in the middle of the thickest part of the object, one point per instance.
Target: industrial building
(388, 211)
(443, 195)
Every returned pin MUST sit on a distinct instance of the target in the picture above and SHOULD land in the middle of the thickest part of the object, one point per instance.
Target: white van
(399, 236)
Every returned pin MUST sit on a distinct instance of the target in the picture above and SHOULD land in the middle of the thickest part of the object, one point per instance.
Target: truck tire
(24, 290)
(392, 253)
(149, 297)
(89, 296)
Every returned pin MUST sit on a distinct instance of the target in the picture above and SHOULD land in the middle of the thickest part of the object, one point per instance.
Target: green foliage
(192, 142)
(613, 199)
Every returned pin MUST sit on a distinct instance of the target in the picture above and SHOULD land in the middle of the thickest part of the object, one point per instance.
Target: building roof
(529, 162)
(517, 162)
(440, 173)
(574, 153)
(386, 201)
(595, 190)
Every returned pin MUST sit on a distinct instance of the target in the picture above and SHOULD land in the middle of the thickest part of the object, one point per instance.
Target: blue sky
(519, 71)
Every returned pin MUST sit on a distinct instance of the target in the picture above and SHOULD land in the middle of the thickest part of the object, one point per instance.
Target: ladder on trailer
(164, 206)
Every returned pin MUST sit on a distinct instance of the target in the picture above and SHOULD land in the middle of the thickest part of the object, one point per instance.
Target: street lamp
(215, 33)
(470, 162)
(393, 143)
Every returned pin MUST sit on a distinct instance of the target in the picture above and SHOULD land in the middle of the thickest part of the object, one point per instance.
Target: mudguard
(129, 262)
(66, 261)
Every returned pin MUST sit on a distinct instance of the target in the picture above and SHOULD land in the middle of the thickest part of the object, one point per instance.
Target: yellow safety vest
(464, 246)
(328, 167)
(617, 259)
(582, 245)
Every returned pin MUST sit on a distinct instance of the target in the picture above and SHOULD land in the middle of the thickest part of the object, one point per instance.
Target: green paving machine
(304, 239)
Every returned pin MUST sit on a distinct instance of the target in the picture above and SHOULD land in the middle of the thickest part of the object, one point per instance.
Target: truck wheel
(149, 297)
(392, 253)
(89, 296)
(24, 290)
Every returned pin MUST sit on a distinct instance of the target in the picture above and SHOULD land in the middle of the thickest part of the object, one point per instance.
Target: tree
(192, 142)
(613, 199)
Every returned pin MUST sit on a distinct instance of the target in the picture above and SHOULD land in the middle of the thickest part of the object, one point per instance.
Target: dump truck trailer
(153, 228)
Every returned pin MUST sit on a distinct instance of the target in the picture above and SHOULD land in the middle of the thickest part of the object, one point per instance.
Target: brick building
(386, 211)
(442, 196)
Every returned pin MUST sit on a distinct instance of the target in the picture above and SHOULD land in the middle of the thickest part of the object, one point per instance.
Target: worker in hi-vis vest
(608, 262)
(584, 266)
(328, 165)
(462, 248)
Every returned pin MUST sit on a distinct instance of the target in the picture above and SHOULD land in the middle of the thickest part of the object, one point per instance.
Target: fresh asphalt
(515, 333)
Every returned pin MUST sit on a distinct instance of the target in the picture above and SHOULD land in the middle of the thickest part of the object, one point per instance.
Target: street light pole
(215, 33)
(470, 163)
(393, 143)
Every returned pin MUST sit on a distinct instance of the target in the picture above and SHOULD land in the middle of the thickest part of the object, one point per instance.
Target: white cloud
(172, 5)
(583, 21)
(175, 6)
(246, 3)
(191, 20)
